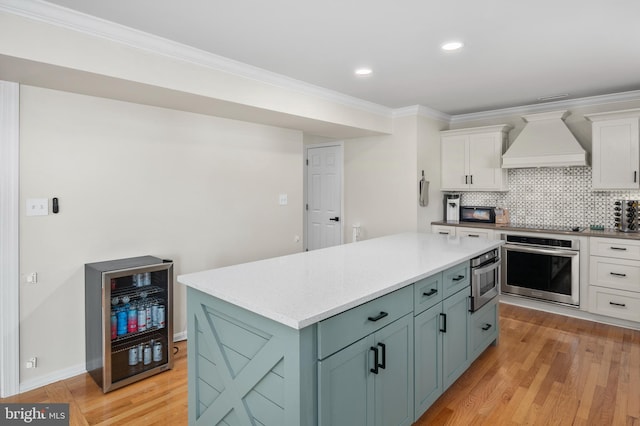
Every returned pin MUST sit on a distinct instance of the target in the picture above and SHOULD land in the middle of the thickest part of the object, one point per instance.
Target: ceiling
(514, 51)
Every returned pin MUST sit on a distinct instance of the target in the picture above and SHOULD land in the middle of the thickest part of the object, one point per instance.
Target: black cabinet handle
(374, 370)
(486, 327)
(622, 305)
(617, 274)
(471, 179)
(381, 315)
(430, 292)
(384, 356)
(466, 179)
(618, 248)
(458, 278)
(473, 235)
(444, 323)
(635, 176)
(335, 219)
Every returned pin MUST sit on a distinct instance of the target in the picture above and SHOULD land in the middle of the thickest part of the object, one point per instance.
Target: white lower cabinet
(463, 231)
(443, 230)
(614, 278)
(614, 303)
(475, 232)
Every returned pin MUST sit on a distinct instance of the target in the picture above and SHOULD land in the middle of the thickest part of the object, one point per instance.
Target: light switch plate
(37, 206)
(283, 199)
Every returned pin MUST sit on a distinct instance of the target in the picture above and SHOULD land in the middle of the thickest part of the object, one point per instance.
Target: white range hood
(545, 141)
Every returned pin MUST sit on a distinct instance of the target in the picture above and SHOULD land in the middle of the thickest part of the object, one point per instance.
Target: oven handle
(553, 252)
(492, 267)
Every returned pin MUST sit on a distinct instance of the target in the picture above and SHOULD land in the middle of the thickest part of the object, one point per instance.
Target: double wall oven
(542, 266)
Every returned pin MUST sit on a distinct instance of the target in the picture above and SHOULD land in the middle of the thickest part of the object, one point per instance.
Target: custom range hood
(545, 141)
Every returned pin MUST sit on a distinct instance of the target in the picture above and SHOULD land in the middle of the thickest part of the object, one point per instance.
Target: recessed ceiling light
(363, 71)
(452, 45)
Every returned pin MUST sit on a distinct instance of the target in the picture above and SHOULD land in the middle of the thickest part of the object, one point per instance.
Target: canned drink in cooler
(147, 278)
(132, 319)
(148, 310)
(122, 322)
(142, 319)
(147, 355)
(161, 319)
(157, 351)
(154, 315)
(140, 352)
(133, 355)
(114, 325)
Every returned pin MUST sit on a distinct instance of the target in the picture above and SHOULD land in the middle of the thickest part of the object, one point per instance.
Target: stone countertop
(586, 232)
(303, 288)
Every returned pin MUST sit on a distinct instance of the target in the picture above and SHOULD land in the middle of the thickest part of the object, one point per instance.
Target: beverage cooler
(129, 319)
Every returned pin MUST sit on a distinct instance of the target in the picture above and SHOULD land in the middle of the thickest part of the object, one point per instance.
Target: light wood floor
(547, 370)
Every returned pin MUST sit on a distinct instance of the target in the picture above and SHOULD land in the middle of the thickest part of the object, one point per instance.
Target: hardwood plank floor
(547, 370)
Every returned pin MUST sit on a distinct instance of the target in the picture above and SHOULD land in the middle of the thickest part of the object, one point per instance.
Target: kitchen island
(280, 341)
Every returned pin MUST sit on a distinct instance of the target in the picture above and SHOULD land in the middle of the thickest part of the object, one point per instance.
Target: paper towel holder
(423, 191)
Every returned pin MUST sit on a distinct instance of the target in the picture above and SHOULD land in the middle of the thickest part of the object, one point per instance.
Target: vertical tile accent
(557, 196)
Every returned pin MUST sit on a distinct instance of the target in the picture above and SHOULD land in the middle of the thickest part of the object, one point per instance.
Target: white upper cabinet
(471, 159)
(615, 149)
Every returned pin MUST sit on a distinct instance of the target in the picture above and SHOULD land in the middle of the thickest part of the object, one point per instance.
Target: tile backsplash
(553, 196)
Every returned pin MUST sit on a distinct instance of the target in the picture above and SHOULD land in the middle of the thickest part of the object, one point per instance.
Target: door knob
(335, 219)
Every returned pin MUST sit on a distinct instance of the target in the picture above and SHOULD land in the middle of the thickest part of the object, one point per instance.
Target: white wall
(429, 160)
(380, 182)
(135, 180)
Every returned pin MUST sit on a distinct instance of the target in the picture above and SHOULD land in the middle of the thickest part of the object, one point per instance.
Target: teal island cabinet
(369, 333)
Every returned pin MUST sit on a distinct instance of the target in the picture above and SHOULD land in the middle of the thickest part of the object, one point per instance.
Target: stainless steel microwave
(477, 214)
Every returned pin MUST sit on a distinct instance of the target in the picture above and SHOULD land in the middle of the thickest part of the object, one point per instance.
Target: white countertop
(303, 288)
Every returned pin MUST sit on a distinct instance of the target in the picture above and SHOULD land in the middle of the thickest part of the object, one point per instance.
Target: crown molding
(548, 106)
(49, 13)
(421, 111)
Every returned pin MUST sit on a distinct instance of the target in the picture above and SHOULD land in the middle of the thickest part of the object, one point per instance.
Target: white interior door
(324, 196)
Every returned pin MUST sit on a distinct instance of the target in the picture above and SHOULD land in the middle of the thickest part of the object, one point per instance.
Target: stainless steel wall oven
(485, 278)
(542, 267)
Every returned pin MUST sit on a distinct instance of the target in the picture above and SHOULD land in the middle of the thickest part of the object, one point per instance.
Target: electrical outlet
(32, 363)
(32, 278)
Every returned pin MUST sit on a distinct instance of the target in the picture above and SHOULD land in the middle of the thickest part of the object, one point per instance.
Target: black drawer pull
(618, 248)
(458, 278)
(381, 315)
(617, 274)
(622, 305)
(486, 327)
(443, 233)
(430, 292)
(374, 370)
(384, 356)
(473, 235)
(444, 323)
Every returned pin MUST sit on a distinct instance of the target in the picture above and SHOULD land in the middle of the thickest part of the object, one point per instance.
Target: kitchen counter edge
(607, 233)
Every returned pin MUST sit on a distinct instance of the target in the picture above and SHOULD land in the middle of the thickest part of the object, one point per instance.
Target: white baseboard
(56, 376)
(69, 372)
(177, 337)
